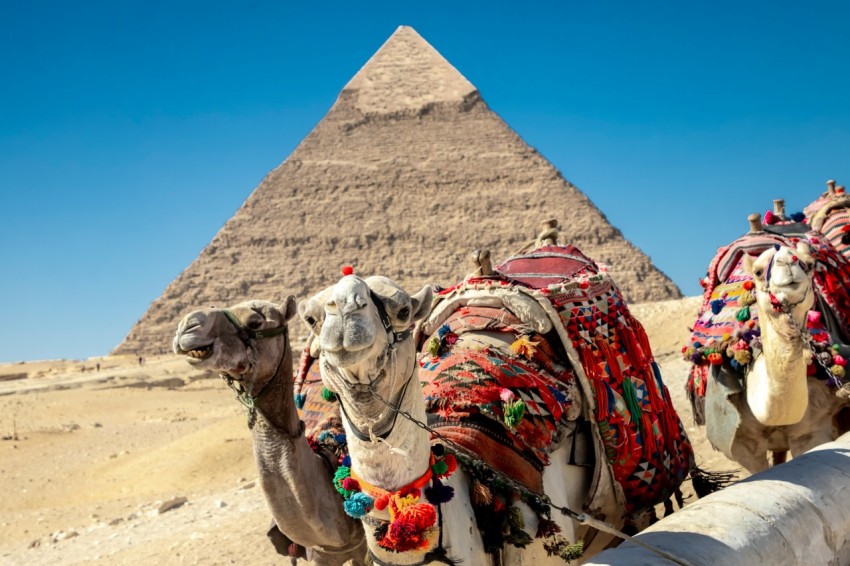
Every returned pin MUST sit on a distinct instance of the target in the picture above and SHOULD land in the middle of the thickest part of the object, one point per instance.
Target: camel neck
(277, 403)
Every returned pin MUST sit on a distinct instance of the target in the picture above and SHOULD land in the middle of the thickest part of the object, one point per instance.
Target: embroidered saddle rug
(727, 330)
(566, 347)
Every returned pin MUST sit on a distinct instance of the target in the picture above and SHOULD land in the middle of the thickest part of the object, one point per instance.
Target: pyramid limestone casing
(407, 173)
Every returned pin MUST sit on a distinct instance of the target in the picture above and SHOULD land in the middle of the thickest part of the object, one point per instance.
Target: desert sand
(91, 461)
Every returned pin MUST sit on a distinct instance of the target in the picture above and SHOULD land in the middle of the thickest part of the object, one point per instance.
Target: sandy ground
(88, 458)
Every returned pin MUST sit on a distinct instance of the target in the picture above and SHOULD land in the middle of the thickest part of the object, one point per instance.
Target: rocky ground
(152, 464)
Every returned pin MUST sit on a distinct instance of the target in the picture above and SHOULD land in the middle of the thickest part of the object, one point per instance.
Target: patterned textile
(322, 422)
(470, 393)
(727, 330)
(603, 348)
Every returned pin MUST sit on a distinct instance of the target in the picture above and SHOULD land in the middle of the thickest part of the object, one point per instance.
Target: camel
(369, 359)
(762, 397)
(248, 344)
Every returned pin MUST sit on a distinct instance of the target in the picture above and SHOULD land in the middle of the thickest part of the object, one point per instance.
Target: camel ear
(804, 252)
(288, 307)
(305, 311)
(420, 303)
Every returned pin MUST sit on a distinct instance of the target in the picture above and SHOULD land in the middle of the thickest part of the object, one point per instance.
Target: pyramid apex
(405, 73)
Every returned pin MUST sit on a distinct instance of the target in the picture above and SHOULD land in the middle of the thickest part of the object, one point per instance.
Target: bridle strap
(396, 337)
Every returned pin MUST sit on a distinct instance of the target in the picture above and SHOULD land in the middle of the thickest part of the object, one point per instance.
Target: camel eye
(404, 313)
(255, 324)
(310, 320)
(759, 272)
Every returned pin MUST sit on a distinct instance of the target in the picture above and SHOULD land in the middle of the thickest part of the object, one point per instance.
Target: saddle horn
(830, 187)
(548, 233)
(481, 262)
(755, 223)
(779, 208)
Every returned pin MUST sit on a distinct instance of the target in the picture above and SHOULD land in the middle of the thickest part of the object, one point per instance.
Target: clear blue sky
(131, 131)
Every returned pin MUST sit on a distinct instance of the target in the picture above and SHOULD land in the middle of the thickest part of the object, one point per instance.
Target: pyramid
(406, 174)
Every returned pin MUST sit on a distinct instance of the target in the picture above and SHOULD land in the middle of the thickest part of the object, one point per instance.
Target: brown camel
(248, 344)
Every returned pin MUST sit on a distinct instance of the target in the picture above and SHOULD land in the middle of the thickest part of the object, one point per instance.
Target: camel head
(360, 325)
(246, 341)
(783, 280)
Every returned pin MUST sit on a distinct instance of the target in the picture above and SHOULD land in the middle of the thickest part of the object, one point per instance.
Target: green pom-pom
(328, 395)
(439, 468)
(514, 413)
(560, 547)
(341, 473)
(434, 346)
(743, 314)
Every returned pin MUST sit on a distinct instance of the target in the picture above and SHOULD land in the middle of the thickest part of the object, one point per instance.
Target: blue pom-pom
(325, 435)
(444, 329)
(798, 217)
(358, 504)
(717, 305)
(340, 438)
(697, 345)
(776, 247)
(300, 398)
(736, 365)
(439, 493)
(346, 461)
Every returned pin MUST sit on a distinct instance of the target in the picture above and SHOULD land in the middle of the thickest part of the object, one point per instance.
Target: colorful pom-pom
(743, 314)
(837, 371)
(770, 218)
(717, 306)
(839, 360)
(347, 270)
(715, 358)
(514, 413)
(439, 493)
(346, 461)
(350, 484)
(748, 285)
(328, 395)
(300, 399)
(358, 504)
(382, 502)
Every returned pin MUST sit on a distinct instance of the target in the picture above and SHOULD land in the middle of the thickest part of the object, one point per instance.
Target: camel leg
(778, 457)
(751, 453)
(806, 442)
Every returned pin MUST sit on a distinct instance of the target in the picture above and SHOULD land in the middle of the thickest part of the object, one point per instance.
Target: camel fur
(295, 480)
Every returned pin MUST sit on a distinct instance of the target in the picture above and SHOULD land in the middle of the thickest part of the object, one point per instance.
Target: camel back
(726, 330)
(585, 348)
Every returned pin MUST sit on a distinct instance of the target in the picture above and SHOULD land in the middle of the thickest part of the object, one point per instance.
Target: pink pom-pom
(839, 360)
(347, 270)
(769, 217)
(507, 395)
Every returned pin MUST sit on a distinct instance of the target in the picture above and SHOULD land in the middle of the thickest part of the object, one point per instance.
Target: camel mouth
(199, 354)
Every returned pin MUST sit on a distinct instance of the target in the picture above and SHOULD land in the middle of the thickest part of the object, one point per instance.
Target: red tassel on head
(347, 270)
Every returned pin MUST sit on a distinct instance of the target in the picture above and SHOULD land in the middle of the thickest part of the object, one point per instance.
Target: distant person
(97, 366)
(141, 361)
(83, 369)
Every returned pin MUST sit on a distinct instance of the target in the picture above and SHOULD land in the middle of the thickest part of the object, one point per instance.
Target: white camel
(369, 358)
(778, 408)
(249, 345)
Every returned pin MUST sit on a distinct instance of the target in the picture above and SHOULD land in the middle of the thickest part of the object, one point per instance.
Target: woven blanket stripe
(836, 229)
(548, 265)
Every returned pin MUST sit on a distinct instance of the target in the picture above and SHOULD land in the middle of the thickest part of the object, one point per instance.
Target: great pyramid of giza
(407, 173)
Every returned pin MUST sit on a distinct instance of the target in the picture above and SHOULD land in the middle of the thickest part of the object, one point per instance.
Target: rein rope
(581, 518)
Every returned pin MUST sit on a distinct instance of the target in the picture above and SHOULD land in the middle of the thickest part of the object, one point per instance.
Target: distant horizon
(131, 133)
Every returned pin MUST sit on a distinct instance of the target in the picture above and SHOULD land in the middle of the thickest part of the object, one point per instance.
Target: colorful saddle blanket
(588, 354)
(320, 414)
(727, 330)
